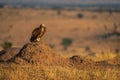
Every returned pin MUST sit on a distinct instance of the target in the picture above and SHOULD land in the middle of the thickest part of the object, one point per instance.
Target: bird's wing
(43, 30)
(35, 32)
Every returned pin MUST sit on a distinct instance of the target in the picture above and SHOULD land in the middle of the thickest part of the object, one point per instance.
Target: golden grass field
(87, 35)
(56, 73)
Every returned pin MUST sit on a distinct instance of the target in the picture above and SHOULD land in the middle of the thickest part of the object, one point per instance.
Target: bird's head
(42, 26)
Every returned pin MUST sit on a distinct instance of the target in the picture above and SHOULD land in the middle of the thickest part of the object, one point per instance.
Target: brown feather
(37, 33)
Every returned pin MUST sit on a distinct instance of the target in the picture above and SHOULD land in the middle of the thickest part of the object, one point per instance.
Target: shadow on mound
(8, 54)
(38, 54)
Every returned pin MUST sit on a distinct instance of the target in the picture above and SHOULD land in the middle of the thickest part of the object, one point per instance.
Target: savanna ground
(92, 35)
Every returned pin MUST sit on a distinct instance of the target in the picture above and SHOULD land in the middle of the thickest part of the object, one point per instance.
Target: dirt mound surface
(38, 54)
(81, 62)
(42, 55)
(8, 54)
(116, 60)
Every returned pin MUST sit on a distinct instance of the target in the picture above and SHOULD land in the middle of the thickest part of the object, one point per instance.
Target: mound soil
(38, 54)
(42, 55)
(81, 62)
(8, 54)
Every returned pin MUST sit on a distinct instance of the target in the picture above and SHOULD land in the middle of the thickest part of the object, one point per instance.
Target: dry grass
(59, 72)
(17, 23)
(104, 56)
(17, 72)
(32, 72)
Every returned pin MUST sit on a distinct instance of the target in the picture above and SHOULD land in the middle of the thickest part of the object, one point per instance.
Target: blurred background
(73, 26)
